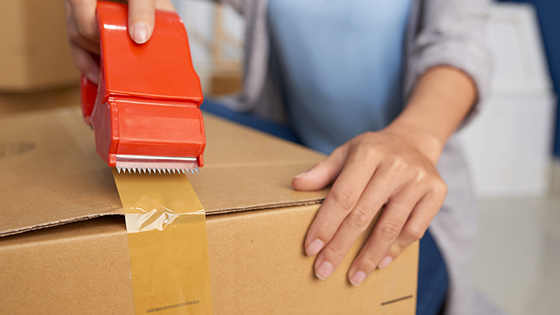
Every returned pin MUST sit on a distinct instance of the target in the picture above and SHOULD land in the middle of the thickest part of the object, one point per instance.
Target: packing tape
(168, 244)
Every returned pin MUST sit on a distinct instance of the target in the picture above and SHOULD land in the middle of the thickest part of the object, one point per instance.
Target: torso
(341, 65)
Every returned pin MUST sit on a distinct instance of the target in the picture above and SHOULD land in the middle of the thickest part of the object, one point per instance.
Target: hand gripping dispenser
(145, 112)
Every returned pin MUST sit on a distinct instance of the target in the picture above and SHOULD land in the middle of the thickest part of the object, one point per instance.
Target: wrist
(426, 141)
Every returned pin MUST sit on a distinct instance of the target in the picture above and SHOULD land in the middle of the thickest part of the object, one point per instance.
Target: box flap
(52, 175)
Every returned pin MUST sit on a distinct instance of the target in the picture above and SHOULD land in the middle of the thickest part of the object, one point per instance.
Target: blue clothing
(432, 273)
(340, 64)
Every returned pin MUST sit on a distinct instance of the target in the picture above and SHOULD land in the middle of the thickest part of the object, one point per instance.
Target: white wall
(509, 146)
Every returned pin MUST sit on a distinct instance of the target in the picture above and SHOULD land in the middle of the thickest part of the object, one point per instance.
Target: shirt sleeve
(256, 52)
(452, 33)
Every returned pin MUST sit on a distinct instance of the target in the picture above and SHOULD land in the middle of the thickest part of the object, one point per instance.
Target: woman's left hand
(391, 167)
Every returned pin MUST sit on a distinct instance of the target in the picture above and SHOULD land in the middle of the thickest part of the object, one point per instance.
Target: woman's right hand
(81, 27)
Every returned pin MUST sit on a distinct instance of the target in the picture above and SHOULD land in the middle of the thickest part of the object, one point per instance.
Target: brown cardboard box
(13, 102)
(34, 53)
(64, 243)
(226, 83)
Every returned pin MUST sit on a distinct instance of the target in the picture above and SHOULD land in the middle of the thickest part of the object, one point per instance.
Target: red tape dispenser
(145, 112)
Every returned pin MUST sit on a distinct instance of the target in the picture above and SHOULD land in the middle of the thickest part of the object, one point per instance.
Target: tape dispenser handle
(88, 91)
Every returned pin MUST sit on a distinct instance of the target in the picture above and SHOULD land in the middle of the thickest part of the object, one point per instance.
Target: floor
(517, 263)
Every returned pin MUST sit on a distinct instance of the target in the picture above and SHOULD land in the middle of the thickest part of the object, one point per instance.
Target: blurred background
(513, 147)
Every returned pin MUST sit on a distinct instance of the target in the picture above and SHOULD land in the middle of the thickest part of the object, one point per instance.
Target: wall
(548, 12)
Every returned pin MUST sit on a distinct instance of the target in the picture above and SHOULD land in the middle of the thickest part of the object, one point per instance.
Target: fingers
(417, 224)
(369, 171)
(141, 17)
(164, 5)
(323, 173)
(83, 14)
(355, 223)
(81, 26)
(386, 231)
(84, 61)
(340, 202)
(396, 230)
(74, 34)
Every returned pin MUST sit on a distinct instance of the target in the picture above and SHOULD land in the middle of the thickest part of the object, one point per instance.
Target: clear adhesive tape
(167, 242)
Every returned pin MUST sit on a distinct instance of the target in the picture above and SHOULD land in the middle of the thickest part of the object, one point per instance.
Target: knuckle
(325, 231)
(399, 211)
(440, 187)
(367, 262)
(389, 230)
(365, 152)
(364, 137)
(397, 162)
(358, 219)
(415, 232)
(335, 151)
(420, 175)
(73, 34)
(399, 247)
(79, 27)
(87, 32)
(334, 252)
(343, 199)
(367, 134)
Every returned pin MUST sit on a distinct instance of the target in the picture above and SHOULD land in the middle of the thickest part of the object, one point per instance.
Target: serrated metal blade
(156, 164)
(132, 170)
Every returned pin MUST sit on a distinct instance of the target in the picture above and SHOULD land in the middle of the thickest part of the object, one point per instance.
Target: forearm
(440, 101)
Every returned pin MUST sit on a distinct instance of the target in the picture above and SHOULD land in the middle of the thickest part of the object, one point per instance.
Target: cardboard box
(226, 83)
(34, 53)
(64, 243)
(12, 103)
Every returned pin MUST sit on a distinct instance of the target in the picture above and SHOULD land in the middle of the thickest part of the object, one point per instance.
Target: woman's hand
(81, 26)
(394, 167)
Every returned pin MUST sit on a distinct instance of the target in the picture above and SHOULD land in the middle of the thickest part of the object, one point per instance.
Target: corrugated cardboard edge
(58, 223)
(266, 206)
(119, 212)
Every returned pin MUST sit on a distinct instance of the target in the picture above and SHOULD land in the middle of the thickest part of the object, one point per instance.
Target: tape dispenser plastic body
(145, 111)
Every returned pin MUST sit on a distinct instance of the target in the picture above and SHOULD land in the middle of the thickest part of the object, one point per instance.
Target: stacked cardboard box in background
(34, 53)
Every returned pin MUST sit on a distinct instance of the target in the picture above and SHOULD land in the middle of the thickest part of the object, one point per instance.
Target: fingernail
(357, 278)
(385, 262)
(314, 247)
(300, 174)
(324, 271)
(140, 32)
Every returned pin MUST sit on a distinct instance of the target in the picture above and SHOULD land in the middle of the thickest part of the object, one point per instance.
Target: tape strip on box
(168, 244)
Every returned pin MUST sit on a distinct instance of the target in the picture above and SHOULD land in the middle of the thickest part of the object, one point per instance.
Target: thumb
(323, 173)
(141, 17)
